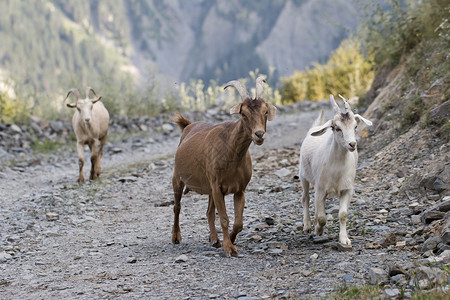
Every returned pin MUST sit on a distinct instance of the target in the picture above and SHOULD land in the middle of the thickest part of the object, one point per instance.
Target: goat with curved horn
(240, 88)
(88, 90)
(214, 159)
(73, 91)
(90, 123)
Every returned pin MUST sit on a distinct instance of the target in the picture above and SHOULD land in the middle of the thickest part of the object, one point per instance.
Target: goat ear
(368, 122)
(322, 128)
(236, 109)
(272, 112)
(71, 105)
(96, 100)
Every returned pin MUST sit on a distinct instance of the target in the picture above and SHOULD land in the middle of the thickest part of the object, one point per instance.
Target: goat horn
(347, 106)
(240, 88)
(259, 87)
(88, 89)
(73, 91)
(335, 106)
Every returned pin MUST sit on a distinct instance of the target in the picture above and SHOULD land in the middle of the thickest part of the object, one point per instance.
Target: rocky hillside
(98, 40)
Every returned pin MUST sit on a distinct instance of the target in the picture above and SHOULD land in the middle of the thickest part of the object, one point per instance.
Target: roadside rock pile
(18, 139)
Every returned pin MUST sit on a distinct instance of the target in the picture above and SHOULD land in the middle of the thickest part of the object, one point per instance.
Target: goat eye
(338, 129)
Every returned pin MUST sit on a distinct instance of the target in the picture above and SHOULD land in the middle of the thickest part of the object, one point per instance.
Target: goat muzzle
(258, 137)
(352, 146)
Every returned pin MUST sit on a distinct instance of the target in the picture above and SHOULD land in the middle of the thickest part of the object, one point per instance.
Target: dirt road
(111, 238)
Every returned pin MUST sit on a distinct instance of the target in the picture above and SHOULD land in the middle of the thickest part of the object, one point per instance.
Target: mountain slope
(49, 45)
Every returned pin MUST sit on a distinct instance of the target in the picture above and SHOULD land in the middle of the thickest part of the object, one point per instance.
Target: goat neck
(238, 138)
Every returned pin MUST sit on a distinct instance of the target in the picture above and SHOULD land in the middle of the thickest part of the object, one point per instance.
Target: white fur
(328, 160)
(90, 123)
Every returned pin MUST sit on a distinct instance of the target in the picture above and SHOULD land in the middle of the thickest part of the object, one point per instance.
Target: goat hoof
(215, 243)
(319, 230)
(176, 238)
(80, 180)
(345, 241)
(229, 254)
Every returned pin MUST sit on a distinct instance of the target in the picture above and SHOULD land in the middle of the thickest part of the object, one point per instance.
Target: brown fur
(214, 160)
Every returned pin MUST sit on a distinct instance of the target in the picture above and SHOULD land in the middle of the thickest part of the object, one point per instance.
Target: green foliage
(347, 72)
(389, 33)
(44, 46)
(413, 112)
(13, 110)
(351, 292)
(431, 295)
(45, 146)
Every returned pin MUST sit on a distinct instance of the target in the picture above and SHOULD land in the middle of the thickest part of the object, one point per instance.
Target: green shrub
(347, 72)
(390, 32)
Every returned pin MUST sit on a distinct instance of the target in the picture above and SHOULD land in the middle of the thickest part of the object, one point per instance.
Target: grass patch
(414, 112)
(353, 292)
(431, 295)
(45, 146)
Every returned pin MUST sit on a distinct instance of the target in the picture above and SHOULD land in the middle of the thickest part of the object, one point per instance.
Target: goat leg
(100, 154)
(305, 205)
(211, 214)
(344, 201)
(94, 155)
(80, 150)
(178, 187)
(319, 214)
(228, 248)
(239, 204)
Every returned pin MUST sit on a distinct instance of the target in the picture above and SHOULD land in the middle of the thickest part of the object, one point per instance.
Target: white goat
(90, 124)
(328, 160)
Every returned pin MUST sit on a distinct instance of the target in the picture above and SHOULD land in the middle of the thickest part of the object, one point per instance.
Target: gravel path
(111, 238)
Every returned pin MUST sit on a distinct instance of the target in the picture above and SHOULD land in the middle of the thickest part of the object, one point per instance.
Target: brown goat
(214, 160)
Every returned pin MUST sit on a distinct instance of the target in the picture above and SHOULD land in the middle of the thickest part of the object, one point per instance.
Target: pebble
(51, 216)
(131, 260)
(415, 219)
(392, 292)
(347, 277)
(431, 243)
(167, 128)
(377, 276)
(181, 259)
(282, 172)
(314, 256)
(4, 256)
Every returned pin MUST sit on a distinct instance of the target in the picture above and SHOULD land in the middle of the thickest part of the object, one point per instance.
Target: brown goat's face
(255, 114)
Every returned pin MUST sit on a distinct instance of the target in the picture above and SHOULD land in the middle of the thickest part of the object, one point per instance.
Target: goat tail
(181, 121)
(319, 120)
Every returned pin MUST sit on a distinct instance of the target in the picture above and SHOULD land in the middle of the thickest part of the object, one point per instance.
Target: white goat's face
(255, 114)
(84, 107)
(344, 127)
